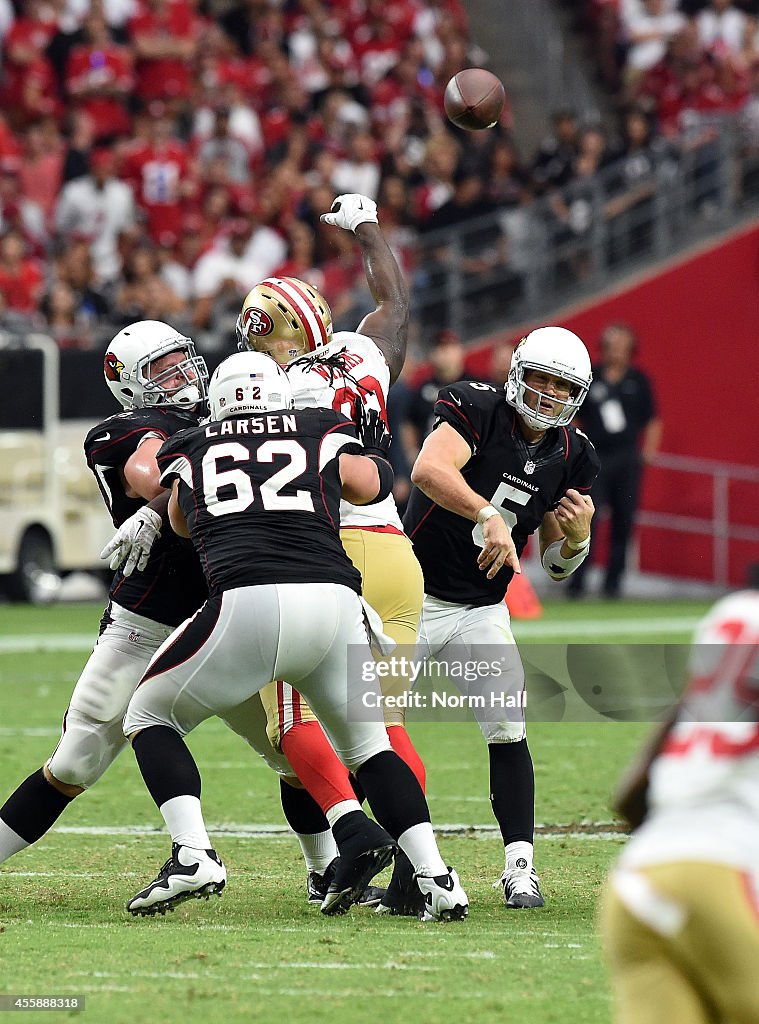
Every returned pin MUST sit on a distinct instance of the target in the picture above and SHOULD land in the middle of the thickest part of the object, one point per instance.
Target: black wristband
(386, 475)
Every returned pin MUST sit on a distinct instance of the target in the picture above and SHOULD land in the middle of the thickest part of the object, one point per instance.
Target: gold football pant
(682, 944)
(393, 585)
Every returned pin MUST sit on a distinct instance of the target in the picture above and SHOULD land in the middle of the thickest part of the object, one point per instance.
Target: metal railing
(718, 527)
(517, 264)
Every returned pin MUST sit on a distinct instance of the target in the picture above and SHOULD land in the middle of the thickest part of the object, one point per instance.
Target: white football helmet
(556, 351)
(285, 318)
(248, 382)
(128, 360)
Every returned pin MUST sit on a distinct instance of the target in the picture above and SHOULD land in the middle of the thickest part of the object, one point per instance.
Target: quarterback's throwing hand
(350, 210)
(499, 549)
(133, 541)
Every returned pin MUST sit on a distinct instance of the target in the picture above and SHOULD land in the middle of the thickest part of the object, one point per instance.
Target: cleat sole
(170, 904)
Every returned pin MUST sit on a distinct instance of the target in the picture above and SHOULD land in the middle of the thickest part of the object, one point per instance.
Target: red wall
(698, 326)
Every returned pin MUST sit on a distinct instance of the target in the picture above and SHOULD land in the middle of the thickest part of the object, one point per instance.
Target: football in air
(474, 99)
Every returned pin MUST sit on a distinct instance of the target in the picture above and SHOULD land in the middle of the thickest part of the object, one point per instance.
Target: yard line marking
(32, 730)
(574, 830)
(577, 630)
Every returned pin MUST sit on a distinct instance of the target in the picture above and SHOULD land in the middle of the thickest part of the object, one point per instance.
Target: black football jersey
(261, 496)
(523, 481)
(172, 586)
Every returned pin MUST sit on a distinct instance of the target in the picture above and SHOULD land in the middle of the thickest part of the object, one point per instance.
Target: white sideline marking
(576, 630)
(589, 830)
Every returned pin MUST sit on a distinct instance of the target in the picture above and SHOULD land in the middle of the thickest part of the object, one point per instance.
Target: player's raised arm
(387, 325)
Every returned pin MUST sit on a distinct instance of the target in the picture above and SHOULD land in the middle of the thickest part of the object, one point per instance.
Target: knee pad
(85, 750)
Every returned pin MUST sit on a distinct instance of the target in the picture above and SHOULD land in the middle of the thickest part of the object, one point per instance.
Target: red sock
(317, 765)
(401, 743)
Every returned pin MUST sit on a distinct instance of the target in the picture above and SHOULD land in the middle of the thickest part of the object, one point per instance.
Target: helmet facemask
(192, 372)
(132, 353)
(559, 354)
(284, 318)
(537, 419)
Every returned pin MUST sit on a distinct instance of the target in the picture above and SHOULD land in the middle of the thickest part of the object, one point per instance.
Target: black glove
(372, 432)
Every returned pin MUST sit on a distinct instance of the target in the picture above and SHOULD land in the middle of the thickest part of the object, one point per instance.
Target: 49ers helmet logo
(112, 367)
(257, 321)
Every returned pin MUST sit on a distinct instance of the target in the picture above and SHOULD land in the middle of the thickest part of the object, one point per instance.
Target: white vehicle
(52, 517)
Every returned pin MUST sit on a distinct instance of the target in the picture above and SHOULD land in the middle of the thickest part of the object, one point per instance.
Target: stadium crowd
(156, 156)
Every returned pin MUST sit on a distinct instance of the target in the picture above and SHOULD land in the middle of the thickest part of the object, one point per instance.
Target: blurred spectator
(41, 170)
(723, 29)
(21, 279)
(145, 295)
(160, 169)
(500, 362)
(62, 320)
(222, 145)
(648, 31)
(18, 212)
(552, 165)
(447, 366)
(164, 35)
(99, 80)
(619, 416)
(331, 279)
(225, 274)
(74, 267)
(29, 88)
(81, 138)
(98, 207)
(359, 171)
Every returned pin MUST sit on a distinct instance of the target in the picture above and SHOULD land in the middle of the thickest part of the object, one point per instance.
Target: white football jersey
(704, 785)
(317, 387)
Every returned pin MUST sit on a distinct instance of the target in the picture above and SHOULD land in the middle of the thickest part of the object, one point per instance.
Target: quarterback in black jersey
(258, 490)
(160, 381)
(496, 468)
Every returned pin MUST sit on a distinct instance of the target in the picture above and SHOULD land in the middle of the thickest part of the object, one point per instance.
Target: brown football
(474, 99)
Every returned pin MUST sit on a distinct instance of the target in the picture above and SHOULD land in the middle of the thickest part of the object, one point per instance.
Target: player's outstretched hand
(499, 549)
(350, 210)
(133, 541)
(573, 514)
(372, 432)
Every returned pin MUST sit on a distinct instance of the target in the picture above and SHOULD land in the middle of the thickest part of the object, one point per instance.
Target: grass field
(261, 953)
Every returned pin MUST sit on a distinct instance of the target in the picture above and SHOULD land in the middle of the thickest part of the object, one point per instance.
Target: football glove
(133, 541)
(350, 210)
(372, 432)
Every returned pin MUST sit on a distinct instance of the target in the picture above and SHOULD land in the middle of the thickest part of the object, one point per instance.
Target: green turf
(260, 953)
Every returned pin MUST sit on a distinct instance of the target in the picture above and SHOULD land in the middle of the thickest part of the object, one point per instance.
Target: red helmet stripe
(307, 312)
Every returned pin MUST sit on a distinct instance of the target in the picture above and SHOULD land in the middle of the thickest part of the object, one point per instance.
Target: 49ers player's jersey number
(272, 499)
(345, 398)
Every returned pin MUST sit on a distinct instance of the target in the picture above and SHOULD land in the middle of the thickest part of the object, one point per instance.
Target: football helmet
(285, 318)
(248, 382)
(127, 367)
(556, 351)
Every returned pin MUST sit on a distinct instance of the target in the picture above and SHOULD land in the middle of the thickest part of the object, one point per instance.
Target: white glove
(134, 540)
(350, 210)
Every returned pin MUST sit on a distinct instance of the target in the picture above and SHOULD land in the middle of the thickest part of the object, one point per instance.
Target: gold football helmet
(285, 318)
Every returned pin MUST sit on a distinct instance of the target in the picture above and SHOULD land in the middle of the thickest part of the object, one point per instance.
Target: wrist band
(485, 513)
(558, 567)
(579, 545)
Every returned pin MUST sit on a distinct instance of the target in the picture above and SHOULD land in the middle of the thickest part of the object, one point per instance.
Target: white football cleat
(444, 897)
(187, 874)
(521, 888)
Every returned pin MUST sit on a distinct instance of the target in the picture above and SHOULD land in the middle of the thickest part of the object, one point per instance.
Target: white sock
(420, 846)
(516, 854)
(10, 842)
(340, 809)
(184, 819)
(319, 849)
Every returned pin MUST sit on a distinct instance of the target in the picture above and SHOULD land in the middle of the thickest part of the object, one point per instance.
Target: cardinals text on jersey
(523, 481)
